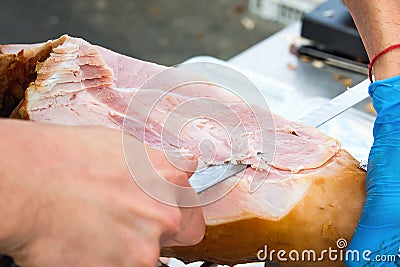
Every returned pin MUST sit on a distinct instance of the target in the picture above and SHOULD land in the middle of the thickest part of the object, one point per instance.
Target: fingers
(191, 227)
(191, 231)
(179, 226)
(175, 169)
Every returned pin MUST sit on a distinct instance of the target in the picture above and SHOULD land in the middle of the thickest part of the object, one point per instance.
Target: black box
(331, 28)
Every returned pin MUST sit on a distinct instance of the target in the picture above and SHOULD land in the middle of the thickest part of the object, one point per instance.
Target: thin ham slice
(313, 193)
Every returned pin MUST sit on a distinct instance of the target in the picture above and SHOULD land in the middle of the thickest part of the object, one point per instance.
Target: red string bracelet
(390, 48)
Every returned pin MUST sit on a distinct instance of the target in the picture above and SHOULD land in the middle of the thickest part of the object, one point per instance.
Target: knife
(337, 105)
(209, 176)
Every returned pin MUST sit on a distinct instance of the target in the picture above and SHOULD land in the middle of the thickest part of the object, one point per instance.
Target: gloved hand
(378, 229)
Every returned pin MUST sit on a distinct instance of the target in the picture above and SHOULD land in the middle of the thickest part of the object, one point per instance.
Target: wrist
(385, 95)
(18, 204)
(17, 211)
(385, 67)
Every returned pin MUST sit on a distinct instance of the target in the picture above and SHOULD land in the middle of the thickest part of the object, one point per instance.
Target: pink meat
(309, 191)
(84, 84)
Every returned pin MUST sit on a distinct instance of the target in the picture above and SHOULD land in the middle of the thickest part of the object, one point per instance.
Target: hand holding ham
(77, 204)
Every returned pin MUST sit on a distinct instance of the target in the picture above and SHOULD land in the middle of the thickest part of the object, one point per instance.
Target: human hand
(378, 230)
(71, 200)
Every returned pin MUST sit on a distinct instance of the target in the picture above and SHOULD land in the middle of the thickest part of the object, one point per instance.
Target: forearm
(379, 27)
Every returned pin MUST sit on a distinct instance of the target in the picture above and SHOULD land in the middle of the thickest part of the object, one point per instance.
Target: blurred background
(162, 31)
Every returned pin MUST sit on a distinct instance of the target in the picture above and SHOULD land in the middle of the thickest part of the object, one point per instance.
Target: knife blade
(209, 176)
(337, 105)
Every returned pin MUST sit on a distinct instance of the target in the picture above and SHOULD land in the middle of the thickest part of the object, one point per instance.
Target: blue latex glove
(378, 230)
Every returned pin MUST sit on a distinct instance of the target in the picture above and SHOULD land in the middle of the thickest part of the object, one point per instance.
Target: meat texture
(313, 192)
(17, 70)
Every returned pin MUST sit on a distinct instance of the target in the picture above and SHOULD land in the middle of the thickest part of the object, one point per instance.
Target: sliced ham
(17, 69)
(313, 192)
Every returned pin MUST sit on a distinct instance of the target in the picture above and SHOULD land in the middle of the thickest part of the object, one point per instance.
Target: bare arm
(379, 26)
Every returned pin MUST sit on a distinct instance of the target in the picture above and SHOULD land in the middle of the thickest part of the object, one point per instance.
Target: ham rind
(313, 191)
(331, 200)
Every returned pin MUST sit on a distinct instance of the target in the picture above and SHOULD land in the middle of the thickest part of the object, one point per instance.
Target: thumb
(174, 168)
(191, 231)
(177, 170)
